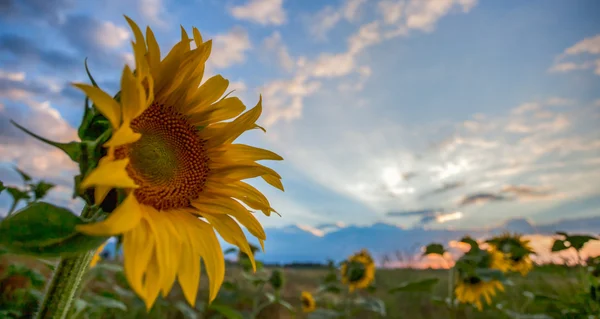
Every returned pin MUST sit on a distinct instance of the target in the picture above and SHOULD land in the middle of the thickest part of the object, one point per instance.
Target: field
(106, 282)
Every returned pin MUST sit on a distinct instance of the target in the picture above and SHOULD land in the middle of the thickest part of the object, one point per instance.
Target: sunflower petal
(223, 110)
(242, 152)
(206, 94)
(133, 96)
(210, 249)
(231, 233)
(110, 173)
(224, 205)
(152, 281)
(238, 126)
(123, 135)
(124, 218)
(189, 273)
(138, 247)
(103, 102)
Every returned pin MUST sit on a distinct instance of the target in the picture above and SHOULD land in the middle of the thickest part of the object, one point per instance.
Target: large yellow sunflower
(511, 253)
(471, 290)
(358, 271)
(308, 302)
(174, 156)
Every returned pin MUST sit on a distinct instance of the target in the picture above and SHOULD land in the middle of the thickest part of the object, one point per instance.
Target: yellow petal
(152, 281)
(242, 191)
(138, 247)
(210, 249)
(168, 247)
(133, 96)
(189, 273)
(110, 173)
(242, 152)
(231, 233)
(123, 135)
(100, 193)
(153, 52)
(223, 110)
(224, 205)
(124, 218)
(104, 103)
(140, 44)
(207, 93)
(242, 171)
(238, 126)
(273, 181)
(197, 36)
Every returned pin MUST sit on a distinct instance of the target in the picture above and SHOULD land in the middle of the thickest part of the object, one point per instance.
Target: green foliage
(434, 249)
(571, 241)
(425, 285)
(44, 230)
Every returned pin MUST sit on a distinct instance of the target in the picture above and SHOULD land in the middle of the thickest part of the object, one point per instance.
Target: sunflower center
(356, 271)
(168, 162)
(472, 280)
(305, 302)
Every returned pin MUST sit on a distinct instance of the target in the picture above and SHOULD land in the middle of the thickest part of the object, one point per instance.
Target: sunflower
(470, 290)
(511, 253)
(358, 271)
(308, 302)
(173, 156)
(96, 258)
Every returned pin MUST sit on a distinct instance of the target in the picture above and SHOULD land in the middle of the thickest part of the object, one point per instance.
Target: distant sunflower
(511, 253)
(358, 271)
(173, 155)
(96, 258)
(470, 290)
(308, 302)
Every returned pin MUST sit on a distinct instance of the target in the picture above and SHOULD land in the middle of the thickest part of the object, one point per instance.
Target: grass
(557, 281)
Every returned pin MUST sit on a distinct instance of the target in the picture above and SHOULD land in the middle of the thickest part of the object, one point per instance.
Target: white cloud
(230, 48)
(264, 12)
(152, 10)
(590, 46)
(110, 35)
(391, 10)
(328, 17)
(275, 44)
(13, 76)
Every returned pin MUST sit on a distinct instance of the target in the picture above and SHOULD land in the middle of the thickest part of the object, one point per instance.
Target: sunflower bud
(276, 280)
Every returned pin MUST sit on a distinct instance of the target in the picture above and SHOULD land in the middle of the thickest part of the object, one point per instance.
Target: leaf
(40, 189)
(373, 304)
(45, 230)
(271, 297)
(230, 250)
(226, 311)
(72, 149)
(323, 314)
(109, 267)
(186, 310)
(559, 245)
(424, 285)
(2, 187)
(472, 242)
(487, 274)
(17, 194)
(578, 241)
(107, 303)
(435, 248)
(329, 287)
(286, 305)
(25, 176)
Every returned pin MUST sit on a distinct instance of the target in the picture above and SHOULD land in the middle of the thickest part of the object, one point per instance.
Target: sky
(417, 113)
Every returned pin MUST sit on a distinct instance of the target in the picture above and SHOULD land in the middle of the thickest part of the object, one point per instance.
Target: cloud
(25, 52)
(446, 187)
(90, 34)
(229, 48)
(327, 18)
(588, 46)
(528, 192)
(264, 12)
(481, 198)
(274, 45)
(427, 216)
(153, 10)
(46, 11)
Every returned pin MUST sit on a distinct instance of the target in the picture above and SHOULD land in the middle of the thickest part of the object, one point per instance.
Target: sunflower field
(160, 173)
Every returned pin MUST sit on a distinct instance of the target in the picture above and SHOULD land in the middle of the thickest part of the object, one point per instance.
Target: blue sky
(444, 113)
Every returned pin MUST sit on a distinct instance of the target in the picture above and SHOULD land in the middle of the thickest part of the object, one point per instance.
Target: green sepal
(40, 189)
(73, 149)
(26, 177)
(424, 285)
(435, 248)
(89, 74)
(44, 230)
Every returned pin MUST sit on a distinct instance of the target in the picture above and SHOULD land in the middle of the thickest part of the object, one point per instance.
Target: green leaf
(45, 230)
(330, 287)
(72, 149)
(559, 245)
(226, 311)
(109, 267)
(373, 304)
(324, 314)
(287, 305)
(25, 176)
(40, 189)
(107, 303)
(434, 249)
(424, 285)
(2, 187)
(472, 242)
(17, 194)
(186, 310)
(487, 274)
(230, 250)
(51, 264)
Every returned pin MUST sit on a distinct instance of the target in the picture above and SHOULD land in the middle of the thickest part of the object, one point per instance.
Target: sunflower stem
(66, 280)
